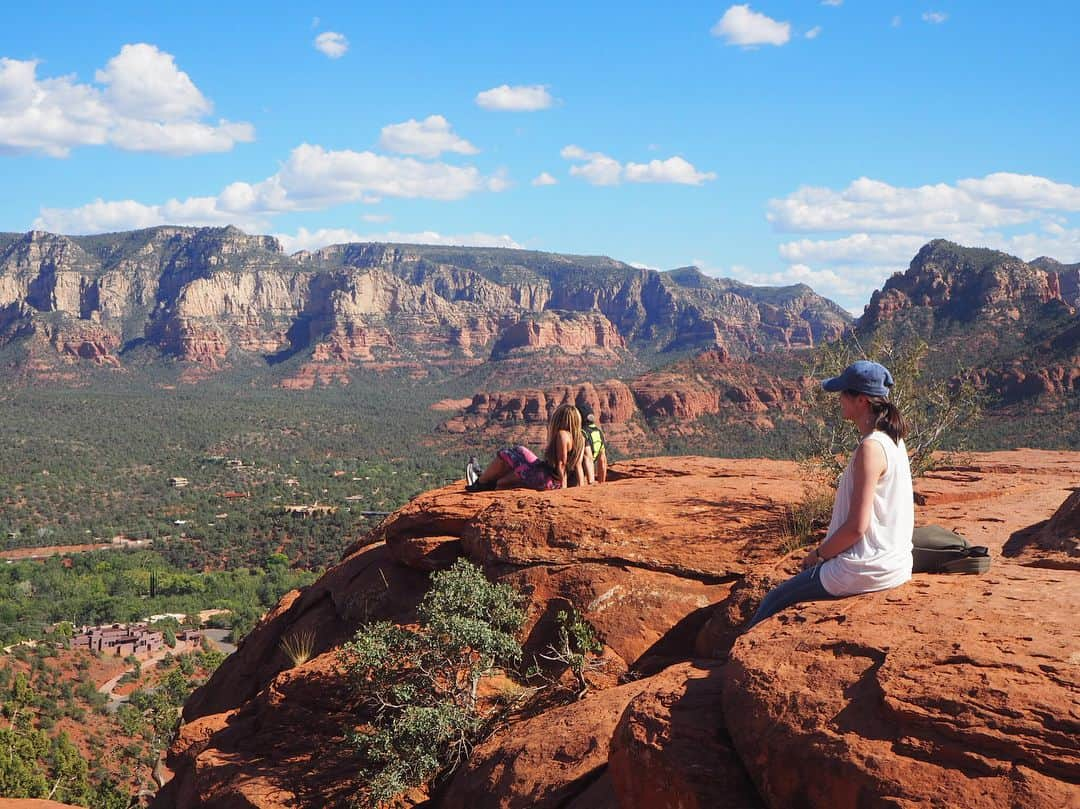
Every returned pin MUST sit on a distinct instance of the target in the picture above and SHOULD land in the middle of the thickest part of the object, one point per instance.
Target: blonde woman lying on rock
(515, 467)
(868, 545)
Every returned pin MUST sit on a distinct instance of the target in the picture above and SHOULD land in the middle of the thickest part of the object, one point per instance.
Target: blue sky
(771, 142)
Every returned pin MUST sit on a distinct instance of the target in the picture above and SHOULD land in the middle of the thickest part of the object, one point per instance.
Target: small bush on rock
(939, 411)
(420, 684)
(576, 646)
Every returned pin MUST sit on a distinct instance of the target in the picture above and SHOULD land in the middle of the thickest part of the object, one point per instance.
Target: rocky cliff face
(948, 691)
(1066, 277)
(1015, 324)
(214, 295)
(963, 284)
(669, 399)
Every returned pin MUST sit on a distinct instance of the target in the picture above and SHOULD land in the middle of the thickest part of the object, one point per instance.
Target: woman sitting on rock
(518, 467)
(868, 545)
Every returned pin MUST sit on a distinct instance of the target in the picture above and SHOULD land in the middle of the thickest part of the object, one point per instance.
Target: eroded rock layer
(217, 296)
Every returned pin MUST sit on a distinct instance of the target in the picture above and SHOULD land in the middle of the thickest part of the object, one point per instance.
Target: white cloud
(376, 217)
(824, 281)
(143, 82)
(543, 178)
(814, 32)
(312, 178)
(859, 248)
(144, 103)
(896, 21)
(499, 181)
(100, 216)
(517, 98)
(832, 2)
(849, 286)
(332, 44)
(1026, 190)
(598, 168)
(844, 286)
(428, 138)
(998, 200)
(874, 206)
(180, 138)
(743, 26)
(1024, 215)
(935, 17)
(305, 239)
(1055, 240)
(672, 170)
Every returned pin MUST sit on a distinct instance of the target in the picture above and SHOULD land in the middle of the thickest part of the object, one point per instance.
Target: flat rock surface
(703, 518)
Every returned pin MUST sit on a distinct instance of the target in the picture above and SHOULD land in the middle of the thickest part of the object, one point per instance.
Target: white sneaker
(472, 471)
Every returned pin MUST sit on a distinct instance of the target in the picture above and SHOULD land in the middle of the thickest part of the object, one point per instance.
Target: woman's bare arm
(564, 442)
(867, 468)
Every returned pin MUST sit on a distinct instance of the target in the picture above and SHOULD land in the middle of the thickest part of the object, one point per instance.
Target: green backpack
(939, 550)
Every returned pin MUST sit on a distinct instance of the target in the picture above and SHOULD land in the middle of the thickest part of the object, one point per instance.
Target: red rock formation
(1054, 543)
(571, 333)
(710, 382)
(520, 416)
(611, 402)
(669, 750)
(1017, 383)
(670, 399)
(352, 342)
(949, 691)
(672, 396)
(543, 762)
(87, 341)
(963, 284)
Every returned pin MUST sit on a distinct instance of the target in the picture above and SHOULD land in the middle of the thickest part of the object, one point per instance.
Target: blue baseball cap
(863, 376)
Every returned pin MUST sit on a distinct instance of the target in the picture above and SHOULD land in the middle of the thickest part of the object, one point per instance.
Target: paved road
(217, 638)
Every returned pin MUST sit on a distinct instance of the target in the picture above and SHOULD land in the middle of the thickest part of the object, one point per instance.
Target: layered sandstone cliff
(212, 295)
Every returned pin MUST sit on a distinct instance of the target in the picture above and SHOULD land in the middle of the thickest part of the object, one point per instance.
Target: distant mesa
(218, 299)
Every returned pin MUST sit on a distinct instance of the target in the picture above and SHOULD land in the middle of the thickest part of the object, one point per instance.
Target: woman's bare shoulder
(870, 453)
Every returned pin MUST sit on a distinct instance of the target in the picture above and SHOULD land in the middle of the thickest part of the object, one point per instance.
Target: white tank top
(881, 558)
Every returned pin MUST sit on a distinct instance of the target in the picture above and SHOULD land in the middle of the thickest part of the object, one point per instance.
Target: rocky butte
(950, 691)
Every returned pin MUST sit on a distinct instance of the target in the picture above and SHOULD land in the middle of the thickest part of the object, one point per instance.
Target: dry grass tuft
(299, 646)
(805, 521)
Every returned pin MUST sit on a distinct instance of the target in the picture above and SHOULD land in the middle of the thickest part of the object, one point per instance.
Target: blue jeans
(805, 586)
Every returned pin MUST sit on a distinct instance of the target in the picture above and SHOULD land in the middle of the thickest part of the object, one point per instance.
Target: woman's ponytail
(888, 418)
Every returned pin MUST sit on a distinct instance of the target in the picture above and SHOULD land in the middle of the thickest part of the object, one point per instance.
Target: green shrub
(939, 411)
(575, 647)
(419, 686)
